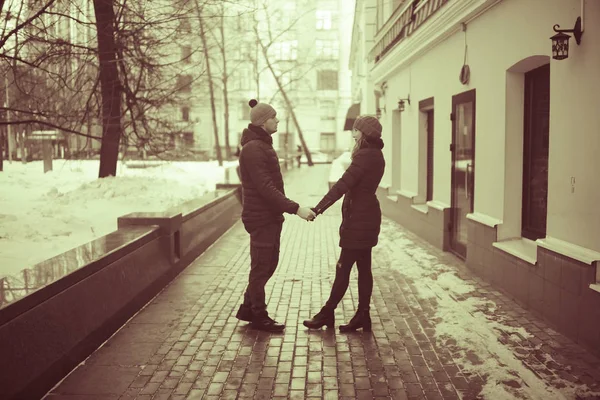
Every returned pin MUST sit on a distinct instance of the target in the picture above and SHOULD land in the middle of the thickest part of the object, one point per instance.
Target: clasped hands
(306, 213)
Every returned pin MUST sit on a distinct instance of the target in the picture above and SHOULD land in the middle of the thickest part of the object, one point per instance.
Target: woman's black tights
(348, 257)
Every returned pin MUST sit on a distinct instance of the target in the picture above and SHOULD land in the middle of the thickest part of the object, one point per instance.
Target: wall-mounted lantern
(401, 103)
(560, 41)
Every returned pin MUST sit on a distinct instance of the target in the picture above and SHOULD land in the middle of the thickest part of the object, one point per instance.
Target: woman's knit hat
(369, 126)
(260, 112)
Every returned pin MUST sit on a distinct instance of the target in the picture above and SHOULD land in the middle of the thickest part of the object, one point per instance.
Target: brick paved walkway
(438, 332)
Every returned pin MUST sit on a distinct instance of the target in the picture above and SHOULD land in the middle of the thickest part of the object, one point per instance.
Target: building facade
(491, 143)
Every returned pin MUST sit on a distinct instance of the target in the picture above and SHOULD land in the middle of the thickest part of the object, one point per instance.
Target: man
(264, 203)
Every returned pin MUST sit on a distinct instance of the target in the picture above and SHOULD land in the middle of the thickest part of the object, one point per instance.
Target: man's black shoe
(267, 325)
(244, 313)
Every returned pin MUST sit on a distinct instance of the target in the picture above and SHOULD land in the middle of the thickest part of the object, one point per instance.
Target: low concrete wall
(56, 314)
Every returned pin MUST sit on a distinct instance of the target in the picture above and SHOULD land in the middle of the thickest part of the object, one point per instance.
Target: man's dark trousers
(264, 257)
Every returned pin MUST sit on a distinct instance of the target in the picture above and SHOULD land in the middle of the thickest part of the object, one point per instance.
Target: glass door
(463, 169)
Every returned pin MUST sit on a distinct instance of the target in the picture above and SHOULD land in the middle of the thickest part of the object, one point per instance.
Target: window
(324, 19)
(327, 80)
(186, 54)
(288, 81)
(327, 49)
(327, 109)
(184, 26)
(429, 189)
(285, 50)
(425, 154)
(244, 110)
(288, 16)
(535, 153)
(379, 14)
(185, 113)
(184, 83)
(327, 141)
(240, 79)
(243, 51)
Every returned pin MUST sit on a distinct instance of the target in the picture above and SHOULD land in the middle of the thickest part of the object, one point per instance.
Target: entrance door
(535, 152)
(463, 169)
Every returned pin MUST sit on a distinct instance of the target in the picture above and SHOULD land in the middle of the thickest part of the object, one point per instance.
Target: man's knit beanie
(260, 112)
(369, 126)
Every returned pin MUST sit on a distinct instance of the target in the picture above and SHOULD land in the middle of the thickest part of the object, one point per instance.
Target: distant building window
(327, 49)
(288, 17)
(288, 81)
(241, 79)
(184, 26)
(324, 19)
(186, 54)
(380, 19)
(185, 113)
(184, 83)
(245, 110)
(327, 109)
(244, 51)
(287, 50)
(327, 80)
(327, 141)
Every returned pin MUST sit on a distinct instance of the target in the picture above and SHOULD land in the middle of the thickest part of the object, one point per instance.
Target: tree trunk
(290, 109)
(210, 85)
(110, 87)
(1, 151)
(225, 91)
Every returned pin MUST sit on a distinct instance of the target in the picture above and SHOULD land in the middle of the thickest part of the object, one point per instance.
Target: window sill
(484, 219)
(437, 205)
(595, 287)
(392, 198)
(422, 208)
(570, 250)
(406, 194)
(522, 248)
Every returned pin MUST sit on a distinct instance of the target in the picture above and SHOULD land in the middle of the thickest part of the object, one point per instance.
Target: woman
(361, 223)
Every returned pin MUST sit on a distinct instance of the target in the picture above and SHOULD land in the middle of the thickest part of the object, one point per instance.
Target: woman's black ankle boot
(325, 317)
(362, 319)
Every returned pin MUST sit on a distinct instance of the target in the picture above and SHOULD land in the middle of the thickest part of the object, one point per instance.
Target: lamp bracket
(576, 31)
(407, 99)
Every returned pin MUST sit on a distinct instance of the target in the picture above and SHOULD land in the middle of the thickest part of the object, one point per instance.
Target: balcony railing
(403, 22)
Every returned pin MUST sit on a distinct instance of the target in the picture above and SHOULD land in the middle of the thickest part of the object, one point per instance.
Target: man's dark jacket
(361, 213)
(262, 184)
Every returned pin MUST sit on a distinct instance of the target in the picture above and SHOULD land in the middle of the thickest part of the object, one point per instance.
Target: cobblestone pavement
(438, 331)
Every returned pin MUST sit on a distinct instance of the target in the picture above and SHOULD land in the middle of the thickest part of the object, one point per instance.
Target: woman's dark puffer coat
(361, 214)
(263, 195)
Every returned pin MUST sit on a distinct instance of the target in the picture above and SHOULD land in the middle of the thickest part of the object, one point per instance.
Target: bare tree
(225, 78)
(264, 49)
(210, 83)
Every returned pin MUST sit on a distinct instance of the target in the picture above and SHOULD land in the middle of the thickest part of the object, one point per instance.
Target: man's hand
(306, 213)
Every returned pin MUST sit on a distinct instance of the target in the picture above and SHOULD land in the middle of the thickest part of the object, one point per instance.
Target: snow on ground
(43, 215)
(467, 325)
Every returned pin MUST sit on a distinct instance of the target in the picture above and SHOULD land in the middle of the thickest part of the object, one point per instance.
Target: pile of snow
(339, 166)
(43, 215)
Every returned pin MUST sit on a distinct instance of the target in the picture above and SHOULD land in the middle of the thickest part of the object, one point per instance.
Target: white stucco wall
(497, 40)
(575, 135)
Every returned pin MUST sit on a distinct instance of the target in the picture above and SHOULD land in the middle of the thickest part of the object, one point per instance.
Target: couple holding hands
(264, 203)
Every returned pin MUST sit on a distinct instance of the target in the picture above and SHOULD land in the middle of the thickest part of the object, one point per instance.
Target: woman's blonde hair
(359, 144)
